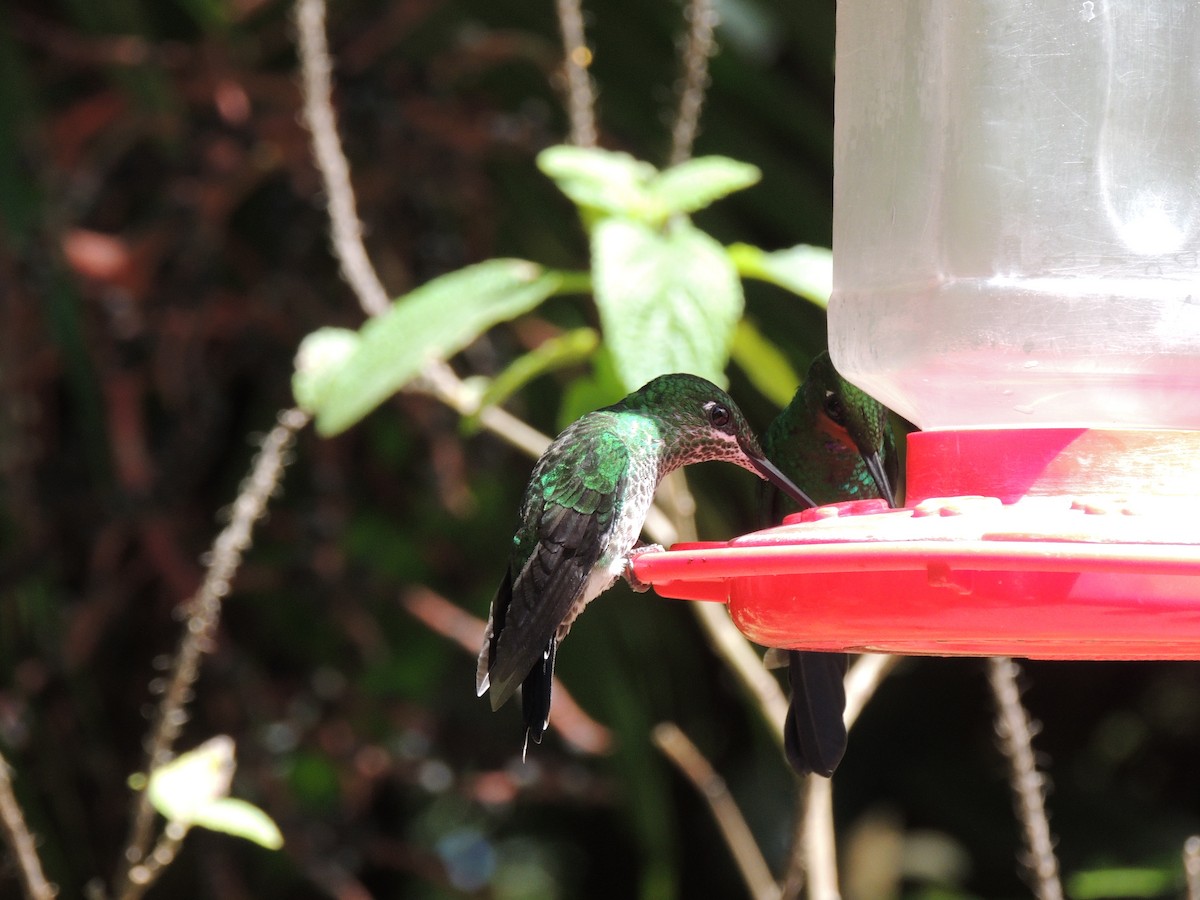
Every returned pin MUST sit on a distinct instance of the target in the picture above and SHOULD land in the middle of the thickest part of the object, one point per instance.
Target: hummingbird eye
(719, 415)
(835, 409)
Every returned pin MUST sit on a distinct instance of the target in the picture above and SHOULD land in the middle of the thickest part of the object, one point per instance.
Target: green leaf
(555, 353)
(241, 819)
(764, 364)
(1121, 882)
(433, 322)
(668, 302)
(193, 789)
(695, 184)
(615, 184)
(320, 357)
(603, 183)
(803, 270)
(193, 780)
(602, 387)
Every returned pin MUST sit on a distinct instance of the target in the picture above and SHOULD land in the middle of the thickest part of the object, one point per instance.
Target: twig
(814, 848)
(678, 748)
(730, 644)
(737, 653)
(575, 726)
(169, 843)
(203, 612)
(699, 45)
(864, 677)
(315, 68)
(1016, 739)
(581, 101)
(21, 841)
(1191, 866)
(820, 850)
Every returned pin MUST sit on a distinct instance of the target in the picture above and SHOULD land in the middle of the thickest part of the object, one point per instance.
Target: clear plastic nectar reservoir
(1017, 211)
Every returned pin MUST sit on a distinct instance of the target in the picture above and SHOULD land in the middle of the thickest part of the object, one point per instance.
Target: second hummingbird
(838, 441)
(581, 516)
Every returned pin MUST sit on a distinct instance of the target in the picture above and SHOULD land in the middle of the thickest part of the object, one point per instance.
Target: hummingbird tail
(535, 694)
(815, 733)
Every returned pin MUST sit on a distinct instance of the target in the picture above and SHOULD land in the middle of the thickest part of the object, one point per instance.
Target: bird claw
(636, 583)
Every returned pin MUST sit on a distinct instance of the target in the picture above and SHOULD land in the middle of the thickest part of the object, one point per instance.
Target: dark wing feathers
(567, 517)
(540, 596)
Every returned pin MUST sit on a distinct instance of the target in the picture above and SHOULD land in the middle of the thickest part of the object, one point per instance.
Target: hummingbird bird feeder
(1017, 273)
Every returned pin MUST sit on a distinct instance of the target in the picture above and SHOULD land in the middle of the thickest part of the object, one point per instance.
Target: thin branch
(864, 677)
(439, 380)
(702, 19)
(820, 850)
(315, 68)
(730, 644)
(1191, 866)
(21, 841)
(581, 100)
(739, 655)
(203, 612)
(1016, 739)
(814, 848)
(678, 748)
(169, 843)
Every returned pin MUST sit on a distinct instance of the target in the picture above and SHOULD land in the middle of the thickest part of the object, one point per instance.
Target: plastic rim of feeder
(1053, 543)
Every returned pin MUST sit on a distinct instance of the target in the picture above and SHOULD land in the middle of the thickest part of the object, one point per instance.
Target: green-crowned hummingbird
(838, 441)
(582, 514)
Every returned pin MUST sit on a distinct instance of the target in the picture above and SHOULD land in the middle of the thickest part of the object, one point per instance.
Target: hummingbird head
(852, 418)
(698, 421)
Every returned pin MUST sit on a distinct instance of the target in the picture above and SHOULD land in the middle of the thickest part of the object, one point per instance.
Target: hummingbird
(582, 514)
(838, 441)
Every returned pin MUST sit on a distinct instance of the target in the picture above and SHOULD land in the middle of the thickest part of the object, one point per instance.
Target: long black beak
(875, 467)
(767, 470)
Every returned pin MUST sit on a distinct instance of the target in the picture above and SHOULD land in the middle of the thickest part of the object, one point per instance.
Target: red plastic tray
(1097, 575)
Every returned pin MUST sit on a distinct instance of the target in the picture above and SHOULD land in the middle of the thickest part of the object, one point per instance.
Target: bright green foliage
(601, 387)
(668, 294)
(803, 270)
(764, 364)
(193, 789)
(230, 815)
(1105, 884)
(604, 183)
(695, 184)
(319, 359)
(669, 300)
(433, 322)
(555, 353)
(600, 181)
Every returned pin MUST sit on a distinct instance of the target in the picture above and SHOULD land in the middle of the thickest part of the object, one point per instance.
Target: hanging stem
(581, 99)
(699, 45)
(203, 613)
(1016, 739)
(21, 841)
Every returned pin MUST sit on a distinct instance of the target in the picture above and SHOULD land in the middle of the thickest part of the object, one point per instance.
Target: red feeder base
(1087, 547)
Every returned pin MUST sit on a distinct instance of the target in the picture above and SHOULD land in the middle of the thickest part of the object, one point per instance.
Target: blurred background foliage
(163, 251)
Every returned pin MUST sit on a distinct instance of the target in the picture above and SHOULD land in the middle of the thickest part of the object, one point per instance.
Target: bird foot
(634, 582)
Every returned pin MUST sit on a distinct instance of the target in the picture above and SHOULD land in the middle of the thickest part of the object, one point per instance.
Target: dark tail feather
(535, 695)
(814, 732)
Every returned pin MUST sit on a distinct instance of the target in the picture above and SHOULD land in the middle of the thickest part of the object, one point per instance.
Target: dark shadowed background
(164, 249)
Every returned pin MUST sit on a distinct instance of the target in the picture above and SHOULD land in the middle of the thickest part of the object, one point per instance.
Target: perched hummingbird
(837, 440)
(582, 513)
